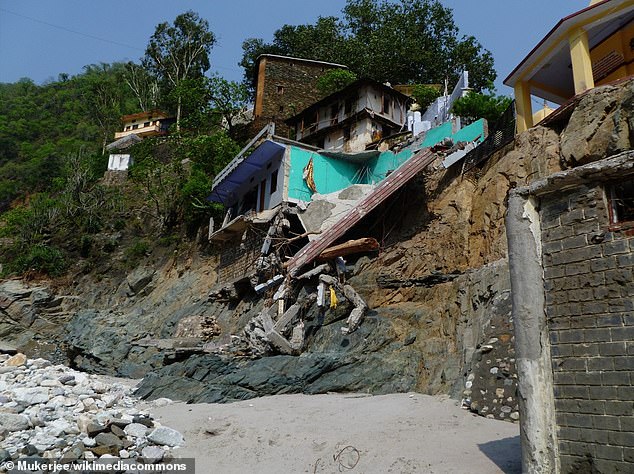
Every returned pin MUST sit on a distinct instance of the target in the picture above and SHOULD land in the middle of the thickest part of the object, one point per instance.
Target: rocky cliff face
(439, 296)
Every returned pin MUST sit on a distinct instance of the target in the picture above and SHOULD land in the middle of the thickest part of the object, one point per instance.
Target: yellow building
(145, 124)
(591, 47)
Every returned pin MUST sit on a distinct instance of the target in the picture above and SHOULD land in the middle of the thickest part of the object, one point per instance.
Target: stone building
(285, 86)
(571, 251)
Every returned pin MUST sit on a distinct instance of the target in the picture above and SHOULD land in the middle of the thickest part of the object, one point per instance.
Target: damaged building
(295, 210)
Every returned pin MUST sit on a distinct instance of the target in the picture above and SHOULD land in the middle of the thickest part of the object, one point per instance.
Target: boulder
(136, 430)
(166, 437)
(13, 422)
(601, 125)
(31, 396)
(109, 440)
(16, 360)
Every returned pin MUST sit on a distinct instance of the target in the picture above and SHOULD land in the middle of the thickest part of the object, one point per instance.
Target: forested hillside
(56, 211)
(41, 125)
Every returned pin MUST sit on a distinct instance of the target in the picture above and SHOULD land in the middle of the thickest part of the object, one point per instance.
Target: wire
(71, 31)
(105, 40)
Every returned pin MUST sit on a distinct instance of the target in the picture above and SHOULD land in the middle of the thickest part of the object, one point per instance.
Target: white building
(352, 118)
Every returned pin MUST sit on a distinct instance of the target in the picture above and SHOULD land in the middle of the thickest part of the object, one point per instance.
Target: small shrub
(424, 95)
(39, 258)
(475, 106)
(85, 245)
(110, 245)
(334, 80)
(137, 250)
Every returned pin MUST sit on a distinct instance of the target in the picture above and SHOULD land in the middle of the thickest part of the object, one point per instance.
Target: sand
(401, 433)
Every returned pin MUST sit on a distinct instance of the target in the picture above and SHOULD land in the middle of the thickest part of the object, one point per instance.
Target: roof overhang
(547, 68)
(125, 142)
(237, 175)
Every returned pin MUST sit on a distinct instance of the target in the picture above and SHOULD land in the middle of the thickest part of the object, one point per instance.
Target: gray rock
(66, 378)
(109, 440)
(153, 453)
(136, 429)
(117, 431)
(13, 422)
(93, 429)
(31, 396)
(139, 279)
(166, 436)
(4, 455)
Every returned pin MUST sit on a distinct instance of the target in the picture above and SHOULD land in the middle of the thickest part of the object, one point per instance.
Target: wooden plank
(385, 189)
(367, 244)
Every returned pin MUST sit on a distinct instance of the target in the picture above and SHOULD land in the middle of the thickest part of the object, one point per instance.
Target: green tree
(104, 94)
(334, 80)
(404, 41)
(475, 105)
(425, 94)
(180, 51)
(229, 100)
(143, 85)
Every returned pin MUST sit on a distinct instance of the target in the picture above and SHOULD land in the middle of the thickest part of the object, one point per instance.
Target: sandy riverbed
(401, 433)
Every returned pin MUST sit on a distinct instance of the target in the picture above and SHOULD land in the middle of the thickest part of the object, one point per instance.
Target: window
(135, 126)
(280, 89)
(274, 181)
(622, 202)
(349, 105)
(146, 124)
(334, 114)
(386, 105)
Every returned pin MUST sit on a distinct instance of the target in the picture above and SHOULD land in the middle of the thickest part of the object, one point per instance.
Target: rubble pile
(53, 412)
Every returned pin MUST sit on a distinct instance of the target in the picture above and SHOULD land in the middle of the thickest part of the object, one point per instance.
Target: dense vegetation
(402, 42)
(58, 210)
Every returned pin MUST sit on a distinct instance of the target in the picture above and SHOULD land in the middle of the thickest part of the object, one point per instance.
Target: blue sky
(41, 38)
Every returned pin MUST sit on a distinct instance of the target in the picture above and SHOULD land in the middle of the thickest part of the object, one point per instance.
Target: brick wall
(238, 257)
(590, 317)
(297, 80)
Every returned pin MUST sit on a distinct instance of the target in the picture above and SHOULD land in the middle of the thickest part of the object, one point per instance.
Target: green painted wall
(333, 175)
(387, 161)
(330, 174)
(466, 134)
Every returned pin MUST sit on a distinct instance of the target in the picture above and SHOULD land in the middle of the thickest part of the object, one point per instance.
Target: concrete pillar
(523, 106)
(532, 346)
(581, 62)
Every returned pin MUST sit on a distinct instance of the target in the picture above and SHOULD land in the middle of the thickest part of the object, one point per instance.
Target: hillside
(161, 317)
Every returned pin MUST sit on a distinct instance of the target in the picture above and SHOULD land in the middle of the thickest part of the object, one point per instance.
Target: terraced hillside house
(352, 118)
(145, 124)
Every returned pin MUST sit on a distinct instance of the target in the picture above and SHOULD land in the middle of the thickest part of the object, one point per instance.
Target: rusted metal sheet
(388, 186)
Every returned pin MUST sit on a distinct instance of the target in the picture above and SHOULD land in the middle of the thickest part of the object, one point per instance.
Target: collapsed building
(295, 210)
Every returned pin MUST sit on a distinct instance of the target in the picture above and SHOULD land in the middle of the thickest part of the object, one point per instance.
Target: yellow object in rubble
(333, 298)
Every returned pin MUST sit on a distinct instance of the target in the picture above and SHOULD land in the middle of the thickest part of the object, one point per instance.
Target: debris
(367, 244)
(333, 298)
(267, 284)
(323, 268)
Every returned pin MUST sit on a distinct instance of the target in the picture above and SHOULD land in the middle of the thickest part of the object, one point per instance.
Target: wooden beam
(367, 244)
